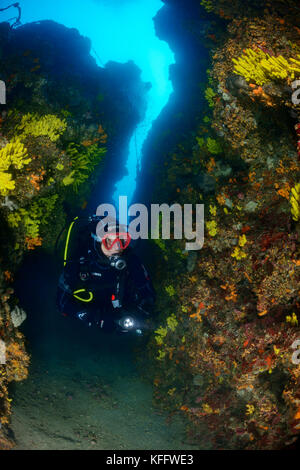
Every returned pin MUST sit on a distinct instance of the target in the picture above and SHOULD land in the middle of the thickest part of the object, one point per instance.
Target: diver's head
(112, 245)
(115, 240)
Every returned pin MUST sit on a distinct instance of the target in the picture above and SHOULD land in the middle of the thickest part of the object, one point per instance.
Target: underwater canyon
(218, 370)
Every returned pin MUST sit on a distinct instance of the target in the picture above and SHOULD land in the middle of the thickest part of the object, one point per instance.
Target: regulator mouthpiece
(117, 262)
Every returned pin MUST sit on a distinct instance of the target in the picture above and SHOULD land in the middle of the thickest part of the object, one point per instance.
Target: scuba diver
(104, 284)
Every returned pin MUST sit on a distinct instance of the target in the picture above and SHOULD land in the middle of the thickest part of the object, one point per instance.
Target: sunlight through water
(120, 30)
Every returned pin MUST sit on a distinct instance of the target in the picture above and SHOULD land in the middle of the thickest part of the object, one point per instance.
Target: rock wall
(229, 313)
(186, 33)
(63, 122)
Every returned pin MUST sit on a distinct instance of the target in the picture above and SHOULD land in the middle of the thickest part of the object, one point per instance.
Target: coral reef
(261, 68)
(295, 199)
(62, 112)
(14, 360)
(227, 367)
(48, 125)
(14, 154)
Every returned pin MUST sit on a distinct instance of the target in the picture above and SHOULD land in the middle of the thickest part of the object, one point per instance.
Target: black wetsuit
(91, 277)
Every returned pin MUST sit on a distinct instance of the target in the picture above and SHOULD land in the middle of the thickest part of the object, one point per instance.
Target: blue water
(120, 30)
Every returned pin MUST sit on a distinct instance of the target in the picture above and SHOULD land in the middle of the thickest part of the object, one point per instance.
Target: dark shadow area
(181, 28)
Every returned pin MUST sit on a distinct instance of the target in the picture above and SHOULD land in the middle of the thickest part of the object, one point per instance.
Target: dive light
(128, 323)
